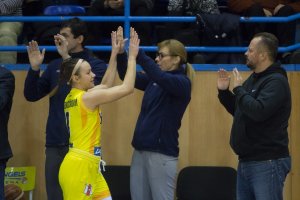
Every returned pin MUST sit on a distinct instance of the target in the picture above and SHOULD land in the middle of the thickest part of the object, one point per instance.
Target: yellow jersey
(84, 124)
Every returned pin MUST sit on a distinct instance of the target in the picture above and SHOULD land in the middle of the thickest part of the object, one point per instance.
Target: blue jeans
(2, 173)
(262, 180)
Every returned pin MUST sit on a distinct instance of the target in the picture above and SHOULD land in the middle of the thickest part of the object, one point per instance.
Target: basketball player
(80, 174)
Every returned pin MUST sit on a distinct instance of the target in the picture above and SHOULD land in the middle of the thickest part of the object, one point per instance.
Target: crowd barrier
(127, 19)
(197, 67)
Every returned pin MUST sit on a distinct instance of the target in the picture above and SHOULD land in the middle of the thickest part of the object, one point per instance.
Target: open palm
(120, 40)
(134, 43)
(223, 80)
(35, 56)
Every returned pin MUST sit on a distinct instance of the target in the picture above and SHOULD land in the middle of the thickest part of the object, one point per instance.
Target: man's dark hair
(77, 27)
(269, 42)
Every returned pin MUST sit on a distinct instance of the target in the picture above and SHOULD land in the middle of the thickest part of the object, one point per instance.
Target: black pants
(285, 32)
(2, 175)
(54, 157)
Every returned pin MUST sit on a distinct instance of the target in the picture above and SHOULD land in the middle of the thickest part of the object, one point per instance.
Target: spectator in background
(9, 31)
(101, 30)
(43, 32)
(69, 43)
(285, 32)
(59, 2)
(187, 33)
(7, 88)
(187, 8)
(192, 7)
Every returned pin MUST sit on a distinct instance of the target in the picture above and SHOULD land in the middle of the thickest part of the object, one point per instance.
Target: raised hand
(223, 80)
(115, 43)
(121, 40)
(134, 43)
(238, 79)
(62, 46)
(35, 56)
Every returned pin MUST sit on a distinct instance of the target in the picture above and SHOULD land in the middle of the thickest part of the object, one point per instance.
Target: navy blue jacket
(166, 96)
(37, 87)
(7, 89)
(261, 109)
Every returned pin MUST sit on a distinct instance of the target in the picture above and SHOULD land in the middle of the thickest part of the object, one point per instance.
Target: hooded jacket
(261, 109)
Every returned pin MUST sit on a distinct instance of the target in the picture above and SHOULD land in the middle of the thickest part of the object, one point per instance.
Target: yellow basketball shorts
(80, 179)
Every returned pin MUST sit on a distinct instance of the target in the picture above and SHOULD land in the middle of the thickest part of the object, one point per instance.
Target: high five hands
(121, 40)
(134, 43)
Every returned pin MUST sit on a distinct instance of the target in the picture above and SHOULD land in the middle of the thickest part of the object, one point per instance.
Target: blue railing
(197, 67)
(127, 19)
(152, 48)
(141, 19)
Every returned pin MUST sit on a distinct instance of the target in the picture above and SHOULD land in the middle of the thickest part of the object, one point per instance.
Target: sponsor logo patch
(88, 190)
(97, 151)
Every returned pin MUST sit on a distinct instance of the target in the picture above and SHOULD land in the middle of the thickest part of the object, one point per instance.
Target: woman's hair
(176, 48)
(66, 72)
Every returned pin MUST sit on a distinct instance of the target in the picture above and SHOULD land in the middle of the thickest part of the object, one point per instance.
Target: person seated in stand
(43, 32)
(116, 8)
(187, 32)
(285, 32)
(9, 31)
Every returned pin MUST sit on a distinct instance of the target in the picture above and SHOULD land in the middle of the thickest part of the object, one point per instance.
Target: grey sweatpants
(152, 176)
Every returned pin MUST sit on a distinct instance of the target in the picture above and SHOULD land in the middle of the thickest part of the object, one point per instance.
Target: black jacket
(261, 109)
(7, 89)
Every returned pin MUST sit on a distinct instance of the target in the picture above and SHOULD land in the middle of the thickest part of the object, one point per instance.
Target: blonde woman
(167, 85)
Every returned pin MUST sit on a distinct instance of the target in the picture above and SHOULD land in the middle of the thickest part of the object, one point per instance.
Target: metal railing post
(127, 18)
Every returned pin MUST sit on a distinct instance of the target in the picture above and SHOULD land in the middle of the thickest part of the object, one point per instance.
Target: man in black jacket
(7, 89)
(261, 108)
